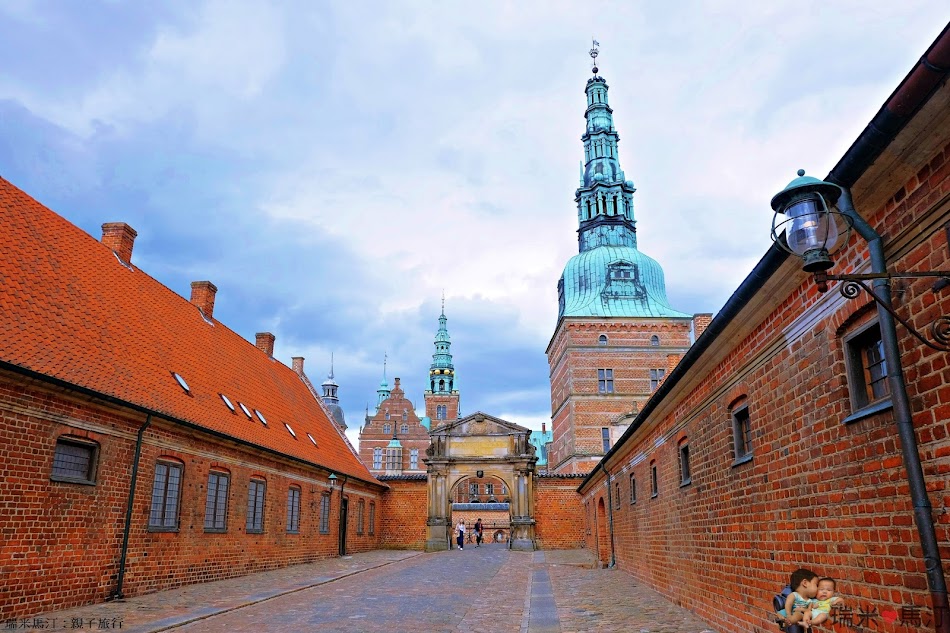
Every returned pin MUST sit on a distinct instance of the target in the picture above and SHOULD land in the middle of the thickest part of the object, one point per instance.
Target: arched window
(602, 340)
(655, 340)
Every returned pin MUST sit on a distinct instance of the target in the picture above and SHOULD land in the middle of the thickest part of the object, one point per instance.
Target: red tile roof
(70, 310)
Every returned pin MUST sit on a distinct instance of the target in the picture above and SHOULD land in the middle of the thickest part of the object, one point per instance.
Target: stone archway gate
(475, 446)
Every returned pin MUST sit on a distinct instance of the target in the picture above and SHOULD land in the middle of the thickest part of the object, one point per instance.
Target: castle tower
(616, 335)
(331, 399)
(442, 396)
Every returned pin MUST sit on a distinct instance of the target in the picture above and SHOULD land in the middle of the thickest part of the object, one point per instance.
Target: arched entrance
(487, 498)
(603, 536)
(480, 448)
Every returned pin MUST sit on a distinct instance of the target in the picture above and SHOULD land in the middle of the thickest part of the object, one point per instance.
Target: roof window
(260, 416)
(182, 383)
(311, 439)
(227, 402)
(291, 430)
(245, 410)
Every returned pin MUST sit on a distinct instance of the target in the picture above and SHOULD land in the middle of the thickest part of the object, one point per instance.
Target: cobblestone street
(489, 589)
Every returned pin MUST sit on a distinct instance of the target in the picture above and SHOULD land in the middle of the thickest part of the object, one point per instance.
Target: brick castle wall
(405, 511)
(558, 512)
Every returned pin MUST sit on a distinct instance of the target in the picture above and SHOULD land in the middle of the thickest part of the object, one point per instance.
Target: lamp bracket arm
(853, 284)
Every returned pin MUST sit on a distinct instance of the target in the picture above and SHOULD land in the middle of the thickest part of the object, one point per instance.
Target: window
(290, 430)
(655, 340)
(490, 489)
(216, 506)
(293, 510)
(372, 518)
(387, 415)
(654, 482)
(377, 458)
(602, 340)
(504, 489)
(617, 496)
(405, 416)
(394, 459)
(605, 380)
(166, 490)
(387, 428)
(742, 432)
(656, 377)
(633, 489)
(181, 383)
(473, 490)
(605, 438)
(74, 461)
(440, 412)
(414, 458)
(360, 508)
(227, 402)
(404, 429)
(867, 369)
(685, 477)
(255, 506)
(325, 513)
(260, 416)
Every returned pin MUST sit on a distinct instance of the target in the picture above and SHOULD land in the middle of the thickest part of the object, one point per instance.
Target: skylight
(182, 383)
(227, 402)
(245, 410)
(260, 416)
(291, 430)
(311, 439)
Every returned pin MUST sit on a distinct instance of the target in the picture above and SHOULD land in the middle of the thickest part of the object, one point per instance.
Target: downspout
(610, 517)
(118, 595)
(923, 515)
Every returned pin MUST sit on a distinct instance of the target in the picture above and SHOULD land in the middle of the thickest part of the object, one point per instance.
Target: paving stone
(484, 590)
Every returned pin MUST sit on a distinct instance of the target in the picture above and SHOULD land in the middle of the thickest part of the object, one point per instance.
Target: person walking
(460, 538)
(478, 532)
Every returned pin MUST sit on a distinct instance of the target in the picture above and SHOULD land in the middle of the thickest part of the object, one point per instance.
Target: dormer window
(623, 281)
(181, 383)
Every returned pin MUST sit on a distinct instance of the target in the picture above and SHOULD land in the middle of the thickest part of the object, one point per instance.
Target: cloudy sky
(333, 167)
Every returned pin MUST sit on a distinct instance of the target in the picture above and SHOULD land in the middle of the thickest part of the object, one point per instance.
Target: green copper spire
(383, 392)
(609, 276)
(442, 371)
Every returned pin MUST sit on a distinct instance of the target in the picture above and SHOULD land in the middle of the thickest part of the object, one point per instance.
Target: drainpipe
(923, 516)
(118, 595)
(339, 518)
(610, 515)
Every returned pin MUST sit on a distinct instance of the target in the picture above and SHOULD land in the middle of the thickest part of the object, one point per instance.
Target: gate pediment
(479, 423)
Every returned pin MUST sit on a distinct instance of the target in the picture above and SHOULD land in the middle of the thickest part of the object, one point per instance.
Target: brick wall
(818, 491)
(405, 512)
(66, 547)
(559, 513)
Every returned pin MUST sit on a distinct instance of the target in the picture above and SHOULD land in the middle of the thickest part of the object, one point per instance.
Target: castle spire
(383, 392)
(330, 397)
(442, 371)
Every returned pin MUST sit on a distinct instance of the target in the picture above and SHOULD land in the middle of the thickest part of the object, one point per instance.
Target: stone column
(437, 523)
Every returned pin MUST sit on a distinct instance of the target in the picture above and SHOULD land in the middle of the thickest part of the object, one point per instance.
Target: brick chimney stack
(297, 365)
(265, 342)
(700, 322)
(544, 428)
(672, 360)
(120, 237)
(202, 295)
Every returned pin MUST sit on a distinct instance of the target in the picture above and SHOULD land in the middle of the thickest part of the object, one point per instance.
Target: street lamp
(812, 231)
(333, 480)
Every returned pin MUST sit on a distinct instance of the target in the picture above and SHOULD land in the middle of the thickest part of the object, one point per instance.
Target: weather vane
(594, 52)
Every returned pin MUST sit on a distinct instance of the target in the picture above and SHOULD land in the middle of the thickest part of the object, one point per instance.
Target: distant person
(460, 537)
(478, 532)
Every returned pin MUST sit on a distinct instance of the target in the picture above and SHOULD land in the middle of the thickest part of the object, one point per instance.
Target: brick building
(616, 336)
(143, 444)
(776, 441)
(394, 440)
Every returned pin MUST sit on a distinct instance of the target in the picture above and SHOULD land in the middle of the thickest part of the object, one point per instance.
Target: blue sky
(334, 166)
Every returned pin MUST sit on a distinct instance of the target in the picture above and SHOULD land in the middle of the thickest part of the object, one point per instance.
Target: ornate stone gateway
(480, 445)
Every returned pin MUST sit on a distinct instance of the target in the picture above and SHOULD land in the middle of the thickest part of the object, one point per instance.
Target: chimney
(672, 360)
(700, 322)
(297, 364)
(544, 428)
(202, 295)
(265, 342)
(120, 237)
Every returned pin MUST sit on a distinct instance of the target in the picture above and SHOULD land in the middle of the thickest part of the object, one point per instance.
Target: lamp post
(812, 231)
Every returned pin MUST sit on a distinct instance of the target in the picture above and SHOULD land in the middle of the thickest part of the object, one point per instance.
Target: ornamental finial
(594, 52)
